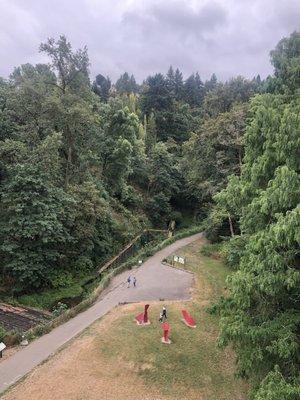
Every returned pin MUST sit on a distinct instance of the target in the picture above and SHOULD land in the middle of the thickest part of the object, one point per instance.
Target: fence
(130, 249)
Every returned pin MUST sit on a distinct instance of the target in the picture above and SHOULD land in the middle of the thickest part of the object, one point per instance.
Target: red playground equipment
(142, 319)
(188, 319)
(166, 328)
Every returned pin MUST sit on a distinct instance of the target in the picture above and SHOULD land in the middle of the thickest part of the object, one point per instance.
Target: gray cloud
(227, 37)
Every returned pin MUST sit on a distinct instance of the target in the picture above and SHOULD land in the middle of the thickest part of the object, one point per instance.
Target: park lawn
(116, 359)
(192, 366)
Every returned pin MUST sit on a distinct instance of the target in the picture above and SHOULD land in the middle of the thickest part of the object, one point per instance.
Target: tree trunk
(230, 225)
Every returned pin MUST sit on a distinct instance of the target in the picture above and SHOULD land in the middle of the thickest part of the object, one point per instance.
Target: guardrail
(129, 249)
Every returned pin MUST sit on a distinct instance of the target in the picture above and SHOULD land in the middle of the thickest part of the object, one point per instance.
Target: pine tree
(151, 133)
(178, 85)
(261, 315)
(170, 80)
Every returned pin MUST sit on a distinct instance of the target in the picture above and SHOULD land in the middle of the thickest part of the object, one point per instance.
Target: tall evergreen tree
(126, 84)
(261, 316)
(194, 90)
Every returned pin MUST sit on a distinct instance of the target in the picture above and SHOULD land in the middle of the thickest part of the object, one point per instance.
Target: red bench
(188, 319)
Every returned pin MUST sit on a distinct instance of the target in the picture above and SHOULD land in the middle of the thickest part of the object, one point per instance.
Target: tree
(194, 90)
(175, 83)
(156, 95)
(101, 87)
(214, 153)
(211, 84)
(285, 59)
(225, 95)
(72, 67)
(178, 85)
(126, 84)
(170, 79)
(162, 171)
(261, 315)
(36, 216)
(150, 132)
(73, 105)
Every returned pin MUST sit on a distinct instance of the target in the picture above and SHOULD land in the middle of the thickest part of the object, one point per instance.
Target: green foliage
(3, 333)
(286, 61)
(261, 315)
(159, 209)
(59, 309)
(101, 87)
(194, 90)
(47, 299)
(209, 250)
(66, 160)
(223, 96)
(276, 387)
(34, 226)
(126, 84)
(215, 152)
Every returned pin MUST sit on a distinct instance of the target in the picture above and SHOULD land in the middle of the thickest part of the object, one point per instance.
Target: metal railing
(130, 249)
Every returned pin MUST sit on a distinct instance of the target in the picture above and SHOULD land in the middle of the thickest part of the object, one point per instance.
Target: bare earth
(155, 281)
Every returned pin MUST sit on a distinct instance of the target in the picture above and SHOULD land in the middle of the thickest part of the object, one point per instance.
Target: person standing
(164, 313)
(160, 317)
(134, 281)
(128, 281)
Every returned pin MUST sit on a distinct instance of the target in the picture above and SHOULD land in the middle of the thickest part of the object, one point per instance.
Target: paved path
(155, 281)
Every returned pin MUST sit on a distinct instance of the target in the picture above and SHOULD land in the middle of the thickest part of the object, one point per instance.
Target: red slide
(188, 319)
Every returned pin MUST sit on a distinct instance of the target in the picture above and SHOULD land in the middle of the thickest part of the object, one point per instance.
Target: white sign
(179, 259)
(2, 346)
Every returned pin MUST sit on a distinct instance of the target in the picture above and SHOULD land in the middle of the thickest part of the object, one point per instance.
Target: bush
(83, 264)
(60, 278)
(233, 249)
(60, 308)
(177, 217)
(49, 298)
(130, 198)
(210, 249)
(3, 333)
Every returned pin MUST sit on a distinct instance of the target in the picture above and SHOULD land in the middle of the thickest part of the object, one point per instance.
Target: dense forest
(86, 165)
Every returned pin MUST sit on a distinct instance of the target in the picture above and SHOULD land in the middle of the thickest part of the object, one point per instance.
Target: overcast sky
(228, 37)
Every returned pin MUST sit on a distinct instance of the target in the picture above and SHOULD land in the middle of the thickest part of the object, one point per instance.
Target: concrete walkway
(155, 281)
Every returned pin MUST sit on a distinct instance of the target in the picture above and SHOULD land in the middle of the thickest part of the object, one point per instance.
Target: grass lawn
(193, 361)
(115, 359)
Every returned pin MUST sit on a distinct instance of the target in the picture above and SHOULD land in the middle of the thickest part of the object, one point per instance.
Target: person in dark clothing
(164, 313)
(160, 317)
(134, 281)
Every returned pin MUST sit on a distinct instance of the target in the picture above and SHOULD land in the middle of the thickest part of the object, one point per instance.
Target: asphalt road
(155, 281)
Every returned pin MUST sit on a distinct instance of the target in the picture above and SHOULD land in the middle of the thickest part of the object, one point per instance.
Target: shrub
(60, 308)
(3, 333)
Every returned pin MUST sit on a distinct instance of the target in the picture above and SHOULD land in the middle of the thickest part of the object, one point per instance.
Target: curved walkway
(155, 281)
